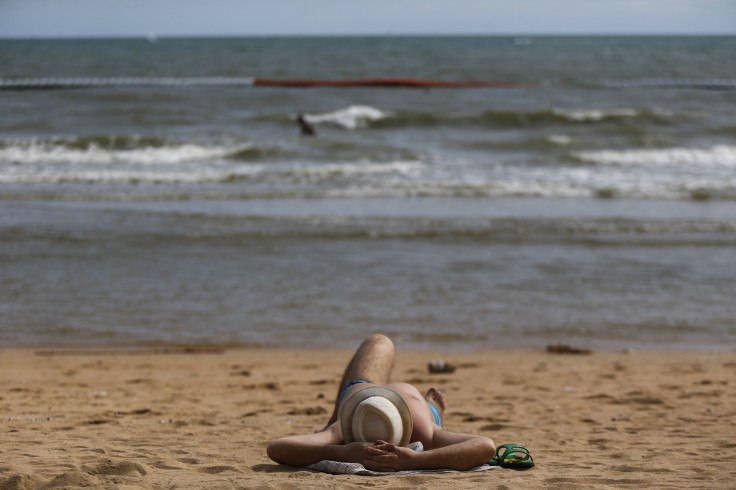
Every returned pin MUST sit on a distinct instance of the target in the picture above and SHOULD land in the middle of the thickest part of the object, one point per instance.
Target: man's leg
(372, 362)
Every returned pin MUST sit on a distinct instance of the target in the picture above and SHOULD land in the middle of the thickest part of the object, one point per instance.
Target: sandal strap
(509, 449)
(509, 453)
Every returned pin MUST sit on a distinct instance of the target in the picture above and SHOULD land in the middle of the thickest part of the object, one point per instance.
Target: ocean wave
(348, 181)
(356, 180)
(329, 169)
(352, 117)
(243, 187)
(151, 150)
(282, 174)
(585, 231)
(110, 150)
(559, 139)
(596, 115)
(321, 173)
(362, 116)
(715, 156)
(516, 187)
(252, 152)
(516, 119)
(541, 143)
(579, 116)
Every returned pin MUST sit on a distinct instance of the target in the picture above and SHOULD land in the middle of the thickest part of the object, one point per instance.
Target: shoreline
(203, 418)
(50, 349)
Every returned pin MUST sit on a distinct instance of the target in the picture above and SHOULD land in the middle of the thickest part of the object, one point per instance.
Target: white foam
(361, 168)
(34, 152)
(594, 115)
(97, 175)
(352, 117)
(716, 156)
(41, 172)
(559, 139)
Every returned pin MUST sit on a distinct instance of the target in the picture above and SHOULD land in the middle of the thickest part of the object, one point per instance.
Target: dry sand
(202, 420)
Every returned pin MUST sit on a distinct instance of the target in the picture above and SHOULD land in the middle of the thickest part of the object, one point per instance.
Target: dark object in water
(566, 349)
(440, 367)
(307, 129)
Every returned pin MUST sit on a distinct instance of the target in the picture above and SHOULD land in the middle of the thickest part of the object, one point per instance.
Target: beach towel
(340, 468)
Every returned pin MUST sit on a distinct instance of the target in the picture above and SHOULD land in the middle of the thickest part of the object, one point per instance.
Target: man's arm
(307, 449)
(451, 450)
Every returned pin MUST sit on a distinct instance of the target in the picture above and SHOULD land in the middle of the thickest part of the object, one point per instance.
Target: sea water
(590, 202)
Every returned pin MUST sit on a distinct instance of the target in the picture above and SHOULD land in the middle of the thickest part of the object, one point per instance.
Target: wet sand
(202, 418)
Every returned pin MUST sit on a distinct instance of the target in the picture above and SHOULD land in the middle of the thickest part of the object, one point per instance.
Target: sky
(113, 18)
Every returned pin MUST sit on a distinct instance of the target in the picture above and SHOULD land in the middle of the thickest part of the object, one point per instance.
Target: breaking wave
(516, 119)
(110, 150)
(356, 117)
(716, 156)
(352, 117)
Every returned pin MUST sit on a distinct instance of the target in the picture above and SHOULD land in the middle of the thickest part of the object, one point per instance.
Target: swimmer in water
(307, 129)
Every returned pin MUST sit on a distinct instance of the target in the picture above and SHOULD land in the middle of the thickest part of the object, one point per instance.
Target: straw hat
(376, 413)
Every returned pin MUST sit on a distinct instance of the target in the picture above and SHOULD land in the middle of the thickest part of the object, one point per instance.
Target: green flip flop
(513, 456)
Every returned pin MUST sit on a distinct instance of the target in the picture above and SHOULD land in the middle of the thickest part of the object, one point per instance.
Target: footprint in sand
(188, 460)
(119, 468)
(167, 465)
(242, 372)
(271, 386)
(73, 479)
(213, 470)
(19, 481)
(307, 411)
(87, 476)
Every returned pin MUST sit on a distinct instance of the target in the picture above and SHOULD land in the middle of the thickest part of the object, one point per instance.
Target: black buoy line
(694, 83)
(52, 83)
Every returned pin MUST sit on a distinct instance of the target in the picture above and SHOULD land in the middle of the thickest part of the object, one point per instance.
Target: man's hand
(377, 456)
(403, 456)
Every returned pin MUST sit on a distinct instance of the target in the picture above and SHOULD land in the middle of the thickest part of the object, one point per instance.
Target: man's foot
(437, 398)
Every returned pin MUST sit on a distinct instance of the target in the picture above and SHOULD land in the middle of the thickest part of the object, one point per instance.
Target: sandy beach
(201, 418)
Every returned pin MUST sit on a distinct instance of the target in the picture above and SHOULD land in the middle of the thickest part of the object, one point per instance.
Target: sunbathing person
(374, 420)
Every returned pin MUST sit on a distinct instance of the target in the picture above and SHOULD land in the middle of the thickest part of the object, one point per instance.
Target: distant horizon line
(153, 35)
